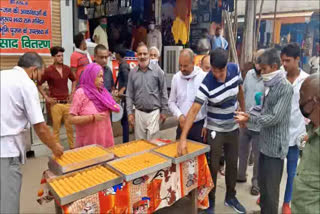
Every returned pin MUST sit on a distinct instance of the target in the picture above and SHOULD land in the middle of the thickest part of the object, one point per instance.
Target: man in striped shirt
(221, 89)
(274, 133)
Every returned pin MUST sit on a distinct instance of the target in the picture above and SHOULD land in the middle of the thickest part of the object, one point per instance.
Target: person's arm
(85, 119)
(191, 116)
(129, 99)
(45, 135)
(125, 70)
(241, 98)
(163, 92)
(34, 114)
(201, 99)
(172, 102)
(279, 110)
(160, 42)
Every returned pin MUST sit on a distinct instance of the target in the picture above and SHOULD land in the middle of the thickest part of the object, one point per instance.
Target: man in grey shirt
(147, 91)
(274, 121)
(249, 136)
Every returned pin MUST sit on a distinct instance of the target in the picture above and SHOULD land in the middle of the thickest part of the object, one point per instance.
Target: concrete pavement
(32, 172)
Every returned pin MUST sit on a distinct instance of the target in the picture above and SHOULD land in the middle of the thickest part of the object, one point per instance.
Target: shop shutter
(7, 62)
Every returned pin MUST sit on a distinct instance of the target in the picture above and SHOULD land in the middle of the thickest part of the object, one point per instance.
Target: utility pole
(258, 27)
(274, 22)
(247, 42)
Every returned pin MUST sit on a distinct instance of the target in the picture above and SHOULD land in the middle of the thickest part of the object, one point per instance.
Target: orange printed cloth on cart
(145, 194)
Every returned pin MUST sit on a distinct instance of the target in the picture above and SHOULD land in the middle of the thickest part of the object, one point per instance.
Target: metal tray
(57, 169)
(84, 193)
(143, 172)
(188, 156)
(146, 150)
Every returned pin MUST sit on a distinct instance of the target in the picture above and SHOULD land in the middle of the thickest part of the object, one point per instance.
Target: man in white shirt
(184, 88)
(154, 37)
(290, 57)
(20, 106)
(100, 35)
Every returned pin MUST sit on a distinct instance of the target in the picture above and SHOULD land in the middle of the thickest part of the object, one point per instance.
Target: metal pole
(259, 23)
(274, 23)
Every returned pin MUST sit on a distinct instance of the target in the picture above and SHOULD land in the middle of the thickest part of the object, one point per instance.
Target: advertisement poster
(25, 25)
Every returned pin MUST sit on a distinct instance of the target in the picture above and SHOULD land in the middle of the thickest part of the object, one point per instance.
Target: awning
(286, 15)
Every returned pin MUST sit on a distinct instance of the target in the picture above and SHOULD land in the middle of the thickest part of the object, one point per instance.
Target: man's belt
(62, 101)
(147, 110)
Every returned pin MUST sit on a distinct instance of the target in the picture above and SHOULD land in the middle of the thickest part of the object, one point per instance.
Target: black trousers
(269, 178)
(227, 143)
(194, 132)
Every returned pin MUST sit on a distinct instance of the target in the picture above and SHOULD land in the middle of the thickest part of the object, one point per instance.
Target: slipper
(254, 190)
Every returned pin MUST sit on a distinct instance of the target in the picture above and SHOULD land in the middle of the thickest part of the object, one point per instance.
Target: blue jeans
(292, 162)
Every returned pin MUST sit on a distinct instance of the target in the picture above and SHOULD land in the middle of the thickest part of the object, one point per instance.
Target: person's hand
(182, 147)
(57, 150)
(182, 120)
(131, 119)
(115, 92)
(163, 118)
(70, 97)
(50, 100)
(204, 133)
(100, 116)
(306, 138)
(241, 117)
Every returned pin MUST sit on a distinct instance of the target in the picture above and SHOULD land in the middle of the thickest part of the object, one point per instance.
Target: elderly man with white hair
(154, 54)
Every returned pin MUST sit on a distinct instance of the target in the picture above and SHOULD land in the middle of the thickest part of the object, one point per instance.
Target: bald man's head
(186, 61)
(310, 98)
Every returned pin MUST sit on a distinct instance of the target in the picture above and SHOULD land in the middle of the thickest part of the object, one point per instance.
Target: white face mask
(151, 26)
(269, 76)
(153, 61)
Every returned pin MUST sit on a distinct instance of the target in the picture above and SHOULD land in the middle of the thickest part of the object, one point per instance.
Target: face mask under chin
(305, 114)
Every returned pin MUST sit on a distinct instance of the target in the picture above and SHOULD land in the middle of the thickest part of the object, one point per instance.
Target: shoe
(221, 170)
(286, 208)
(254, 190)
(235, 204)
(210, 210)
(241, 180)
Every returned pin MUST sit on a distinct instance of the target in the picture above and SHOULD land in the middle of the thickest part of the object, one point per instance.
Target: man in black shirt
(122, 80)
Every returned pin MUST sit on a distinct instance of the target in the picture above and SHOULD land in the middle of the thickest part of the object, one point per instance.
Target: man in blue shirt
(218, 41)
(221, 89)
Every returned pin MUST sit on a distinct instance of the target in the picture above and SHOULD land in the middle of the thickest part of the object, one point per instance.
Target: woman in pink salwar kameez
(90, 109)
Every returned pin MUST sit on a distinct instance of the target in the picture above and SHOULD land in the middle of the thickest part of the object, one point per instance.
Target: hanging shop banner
(25, 25)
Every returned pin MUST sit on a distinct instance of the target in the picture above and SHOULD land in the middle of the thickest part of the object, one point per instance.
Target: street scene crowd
(269, 114)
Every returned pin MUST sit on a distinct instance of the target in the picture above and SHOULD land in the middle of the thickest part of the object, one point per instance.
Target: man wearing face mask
(20, 107)
(184, 86)
(306, 186)
(290, 56)
(100, 35)
(154, 37)
(249, 136)
(147, 91)
(274, 132)
(154, 54)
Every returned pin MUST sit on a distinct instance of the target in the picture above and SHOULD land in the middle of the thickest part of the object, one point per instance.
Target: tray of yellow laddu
(82, 183)
(79, 158)
(133, 147)
(194, 149)
(137, 165)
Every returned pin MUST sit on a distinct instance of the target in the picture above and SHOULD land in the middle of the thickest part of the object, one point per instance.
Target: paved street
(32, 172)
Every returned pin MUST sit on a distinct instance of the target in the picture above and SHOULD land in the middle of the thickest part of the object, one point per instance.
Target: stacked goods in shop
(80, 155)
(137, 163)
(170, 150)
(82, 180)
(131, 148)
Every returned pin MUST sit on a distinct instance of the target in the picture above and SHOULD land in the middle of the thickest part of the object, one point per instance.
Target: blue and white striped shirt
(221, 98)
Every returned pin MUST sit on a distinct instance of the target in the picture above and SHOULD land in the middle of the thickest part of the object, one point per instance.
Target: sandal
(254, 190)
